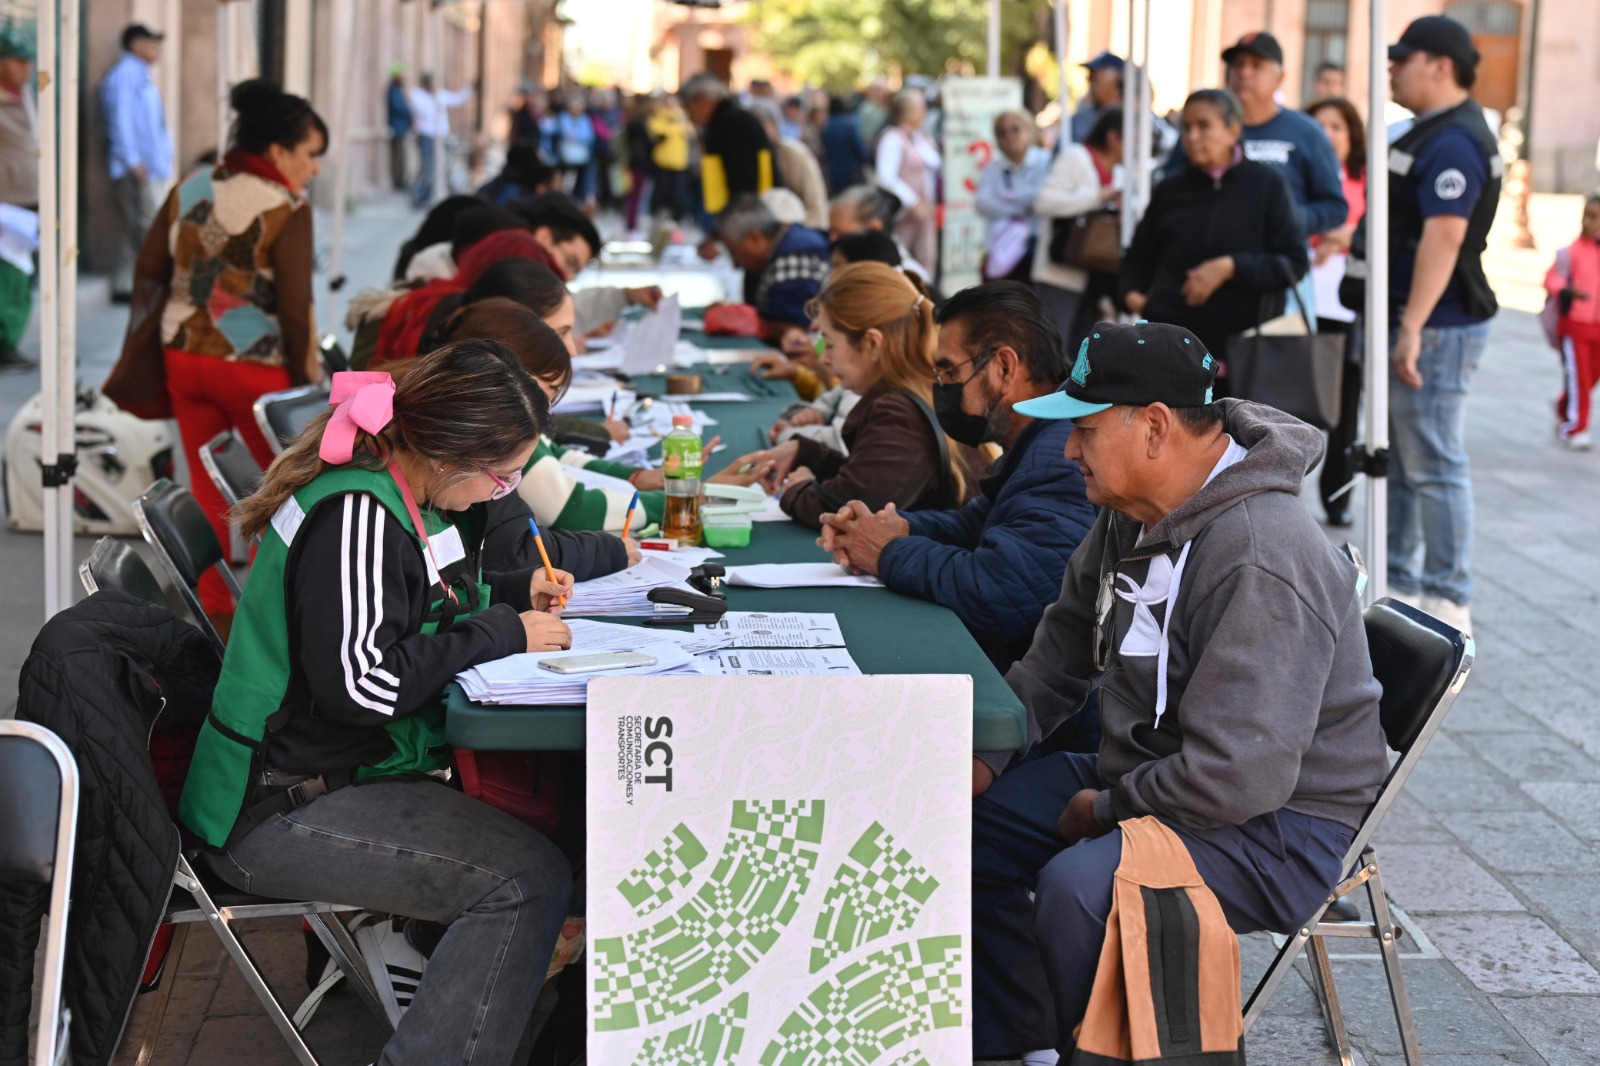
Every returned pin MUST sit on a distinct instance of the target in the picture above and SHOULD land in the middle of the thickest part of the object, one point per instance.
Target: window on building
(1327, 39)
(1487, 16)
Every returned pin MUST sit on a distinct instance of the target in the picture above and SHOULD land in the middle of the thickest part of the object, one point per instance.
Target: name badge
(447, 547)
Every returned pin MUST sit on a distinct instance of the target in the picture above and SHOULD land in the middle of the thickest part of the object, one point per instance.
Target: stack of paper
(746, 663)
(799, 575)
(520, 679)
(625, 593)
(758, 629)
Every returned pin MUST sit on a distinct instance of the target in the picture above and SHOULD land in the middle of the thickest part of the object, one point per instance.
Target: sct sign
(970, 107)
(779, 869)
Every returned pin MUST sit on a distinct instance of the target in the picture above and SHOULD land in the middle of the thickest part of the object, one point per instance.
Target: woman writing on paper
(314, 776)
(878, 338)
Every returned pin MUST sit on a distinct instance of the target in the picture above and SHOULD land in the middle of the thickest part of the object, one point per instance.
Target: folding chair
(198, 899)
(233, 470)
(282, 415)
(1422, 665)
(38, 838)
(113, 564)
(187, 546)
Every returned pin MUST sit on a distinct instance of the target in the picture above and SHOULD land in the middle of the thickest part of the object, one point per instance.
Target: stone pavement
(1492, 854)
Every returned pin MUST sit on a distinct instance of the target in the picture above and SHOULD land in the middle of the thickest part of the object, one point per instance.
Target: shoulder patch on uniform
(288, 519)
(1451, 184)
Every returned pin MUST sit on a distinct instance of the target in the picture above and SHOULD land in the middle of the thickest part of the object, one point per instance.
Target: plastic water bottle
(680, 463)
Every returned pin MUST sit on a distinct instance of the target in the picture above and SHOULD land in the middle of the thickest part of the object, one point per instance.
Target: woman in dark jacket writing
(1220, 242)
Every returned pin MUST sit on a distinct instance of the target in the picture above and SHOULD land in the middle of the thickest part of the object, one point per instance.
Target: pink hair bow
(362, 399)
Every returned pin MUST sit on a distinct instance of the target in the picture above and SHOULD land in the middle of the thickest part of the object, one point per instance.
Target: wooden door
(1496, 86)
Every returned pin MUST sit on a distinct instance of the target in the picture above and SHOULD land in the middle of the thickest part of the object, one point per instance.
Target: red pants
(209, 396)
(1580, 371)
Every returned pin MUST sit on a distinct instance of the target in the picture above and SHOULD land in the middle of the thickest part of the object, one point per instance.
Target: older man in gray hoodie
(1236, 691)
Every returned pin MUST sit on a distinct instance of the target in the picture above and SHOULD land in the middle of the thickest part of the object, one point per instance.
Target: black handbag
(1301, 375)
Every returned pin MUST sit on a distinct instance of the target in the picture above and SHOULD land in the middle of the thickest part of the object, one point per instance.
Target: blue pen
(538, 541)
(612, 415)
(627, 523)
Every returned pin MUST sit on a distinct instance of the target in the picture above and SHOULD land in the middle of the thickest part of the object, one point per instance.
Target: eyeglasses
(503, 487)
(946, 376)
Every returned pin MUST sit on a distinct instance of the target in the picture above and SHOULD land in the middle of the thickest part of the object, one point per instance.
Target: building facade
(1559, 72)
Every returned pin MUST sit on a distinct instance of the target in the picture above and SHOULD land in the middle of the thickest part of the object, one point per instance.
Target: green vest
(256, 666)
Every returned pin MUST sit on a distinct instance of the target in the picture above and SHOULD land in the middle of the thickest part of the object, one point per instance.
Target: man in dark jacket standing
(1237, 699)
(996, 562)
(736, 155)
(397, 113)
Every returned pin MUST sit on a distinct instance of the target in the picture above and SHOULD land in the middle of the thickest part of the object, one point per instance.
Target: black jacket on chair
(104, 675)
(1246, 213)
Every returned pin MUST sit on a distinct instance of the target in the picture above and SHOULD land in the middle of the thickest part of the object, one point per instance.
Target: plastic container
(725, 530)
(680, 468)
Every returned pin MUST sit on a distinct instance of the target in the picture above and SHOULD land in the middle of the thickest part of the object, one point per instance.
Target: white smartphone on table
(598, 662)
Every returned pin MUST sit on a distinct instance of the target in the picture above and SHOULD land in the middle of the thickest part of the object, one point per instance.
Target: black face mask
(960, 426)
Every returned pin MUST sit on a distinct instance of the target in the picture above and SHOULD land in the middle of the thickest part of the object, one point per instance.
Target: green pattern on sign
(878, 891)
(915, 1058)
(887, 999)
(664, 871)
(689, 958)
(712, 1040)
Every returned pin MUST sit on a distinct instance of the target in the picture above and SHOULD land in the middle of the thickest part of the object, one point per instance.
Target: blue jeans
(1430, 490)
(422, 849)
(1034, 962)
(422, 191)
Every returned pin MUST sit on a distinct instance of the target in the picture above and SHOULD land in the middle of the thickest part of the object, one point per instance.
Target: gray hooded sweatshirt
(1237, 611)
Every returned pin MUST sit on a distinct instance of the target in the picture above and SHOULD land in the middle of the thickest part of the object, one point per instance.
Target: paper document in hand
(799, 576)
(744, 662)
(757, 629)
(653, 340)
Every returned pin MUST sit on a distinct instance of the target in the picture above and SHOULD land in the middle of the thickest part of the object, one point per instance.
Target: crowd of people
(1121, 537)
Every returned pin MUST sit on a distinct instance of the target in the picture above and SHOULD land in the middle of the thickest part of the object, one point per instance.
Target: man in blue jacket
(998, 561)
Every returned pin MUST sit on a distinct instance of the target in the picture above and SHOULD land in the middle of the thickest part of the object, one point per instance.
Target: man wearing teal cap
(1237, 700)
(19, 183)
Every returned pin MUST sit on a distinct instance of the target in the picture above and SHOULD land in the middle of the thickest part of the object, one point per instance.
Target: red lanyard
(416, 522)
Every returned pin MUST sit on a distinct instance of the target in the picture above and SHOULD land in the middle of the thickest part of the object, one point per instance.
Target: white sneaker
(1453, 614)
(1578, 442)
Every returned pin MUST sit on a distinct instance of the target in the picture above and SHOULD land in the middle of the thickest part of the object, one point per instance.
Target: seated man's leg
(1013, 837)
(1269, 873)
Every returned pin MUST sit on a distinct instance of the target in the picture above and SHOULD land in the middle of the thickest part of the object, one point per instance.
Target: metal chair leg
(347, 956)
(247, 966)
(1282, 966)
(1391, 963)
(158, 1013)
(1328, 998)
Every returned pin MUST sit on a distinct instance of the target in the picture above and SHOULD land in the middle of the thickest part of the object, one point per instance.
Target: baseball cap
(1137, 365)
(1437, 36)
(1261, 44)
(139, 32)
(1104, 61)
(14, 44)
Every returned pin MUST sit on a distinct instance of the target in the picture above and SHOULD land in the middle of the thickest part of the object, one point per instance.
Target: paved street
(1492, 854)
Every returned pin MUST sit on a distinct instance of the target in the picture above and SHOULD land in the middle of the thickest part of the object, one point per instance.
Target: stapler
(705, 608)
(733, 499)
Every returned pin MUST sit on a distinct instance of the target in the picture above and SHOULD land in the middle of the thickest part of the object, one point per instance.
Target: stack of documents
(625, 593)
(799, 575)
(519, 679)
(758, 629)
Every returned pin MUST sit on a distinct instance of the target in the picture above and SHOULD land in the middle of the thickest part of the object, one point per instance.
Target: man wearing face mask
(998, 561)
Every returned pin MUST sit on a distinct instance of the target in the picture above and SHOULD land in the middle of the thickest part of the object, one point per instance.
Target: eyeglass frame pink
(503, 488)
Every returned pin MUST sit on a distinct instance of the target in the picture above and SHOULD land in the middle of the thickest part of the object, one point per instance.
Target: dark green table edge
(999, 721)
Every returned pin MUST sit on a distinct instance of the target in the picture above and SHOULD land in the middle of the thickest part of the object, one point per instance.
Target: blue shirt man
(1105, 90)
(139, 148)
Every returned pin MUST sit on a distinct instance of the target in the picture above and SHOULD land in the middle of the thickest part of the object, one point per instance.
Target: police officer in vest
(317, 774)
(1444, 180)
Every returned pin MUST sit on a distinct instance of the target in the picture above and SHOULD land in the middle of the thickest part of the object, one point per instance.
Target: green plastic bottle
(680, 464)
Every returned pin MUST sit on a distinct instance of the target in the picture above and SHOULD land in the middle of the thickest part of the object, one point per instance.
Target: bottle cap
(685, 421)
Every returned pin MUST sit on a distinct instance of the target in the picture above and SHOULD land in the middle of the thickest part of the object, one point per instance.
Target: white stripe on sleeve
(355, 577)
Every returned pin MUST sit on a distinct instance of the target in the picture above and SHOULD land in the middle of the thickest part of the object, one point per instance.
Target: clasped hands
(856, 536)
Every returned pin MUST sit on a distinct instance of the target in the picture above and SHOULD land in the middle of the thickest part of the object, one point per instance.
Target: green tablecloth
(886, 633)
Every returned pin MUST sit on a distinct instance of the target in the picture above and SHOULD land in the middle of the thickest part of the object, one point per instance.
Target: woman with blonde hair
(878, 338)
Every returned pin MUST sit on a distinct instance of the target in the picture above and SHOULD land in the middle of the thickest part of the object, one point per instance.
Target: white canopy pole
(1060, 15)
(1376, 324)
(171, 77)
(297, 46)
(433, 48)
(67, 66)
(994, 39)
(50, 446)
(224, 78)
(344, 32)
